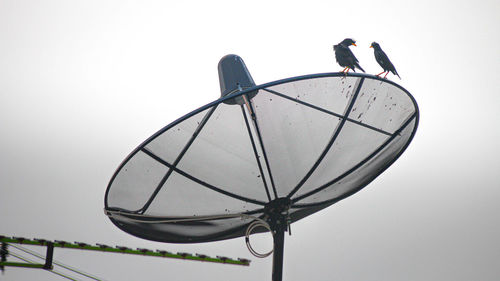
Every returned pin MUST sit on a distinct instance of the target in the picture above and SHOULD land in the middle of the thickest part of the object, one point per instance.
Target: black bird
(383, 60)
(345, 57)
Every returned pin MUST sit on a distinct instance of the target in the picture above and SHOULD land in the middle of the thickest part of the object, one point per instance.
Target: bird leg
(345, 73)
(386, 74)
(380, 73)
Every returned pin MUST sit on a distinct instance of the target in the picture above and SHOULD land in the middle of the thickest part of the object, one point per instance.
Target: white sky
(82, 83)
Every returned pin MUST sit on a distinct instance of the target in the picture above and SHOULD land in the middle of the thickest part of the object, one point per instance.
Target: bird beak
(354, 44)
(371, 46)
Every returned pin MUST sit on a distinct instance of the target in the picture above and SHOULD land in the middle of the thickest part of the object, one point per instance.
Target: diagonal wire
(346, 173)
(255, 151)
(179, 157)
(359, 85)
(261, 142)
(30, 261)
(70, 268)
(212, 187)
(327, 111)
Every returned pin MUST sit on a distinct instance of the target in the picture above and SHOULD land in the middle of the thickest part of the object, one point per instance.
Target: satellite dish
(276, 152)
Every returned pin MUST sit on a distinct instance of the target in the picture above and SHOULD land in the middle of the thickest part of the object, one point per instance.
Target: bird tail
(395, 72)
(358, 66)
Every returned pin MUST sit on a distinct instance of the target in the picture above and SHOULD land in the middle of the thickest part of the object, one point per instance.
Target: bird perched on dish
(383, 60)
(345, 56)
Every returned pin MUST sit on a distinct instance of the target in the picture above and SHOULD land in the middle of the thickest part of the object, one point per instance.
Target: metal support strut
(3, 255)
(49, 256)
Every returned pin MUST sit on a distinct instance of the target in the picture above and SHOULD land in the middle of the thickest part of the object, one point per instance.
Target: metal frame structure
(276, 210)
(172, 166)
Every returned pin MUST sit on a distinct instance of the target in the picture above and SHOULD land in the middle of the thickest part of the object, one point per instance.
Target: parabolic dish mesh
(314, 139)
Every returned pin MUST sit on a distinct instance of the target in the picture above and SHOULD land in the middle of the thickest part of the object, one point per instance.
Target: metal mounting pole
(49, 256)
(277, 217)
(279, 241)
(3, 255)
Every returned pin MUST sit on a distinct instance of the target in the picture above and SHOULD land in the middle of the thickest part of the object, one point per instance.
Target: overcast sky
(82, 83)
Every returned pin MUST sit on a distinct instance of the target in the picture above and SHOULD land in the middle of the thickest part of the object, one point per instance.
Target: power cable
(52, 271)
(70, 268)
(248, 232)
